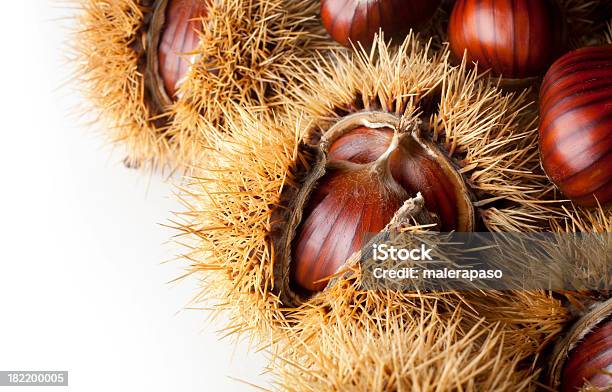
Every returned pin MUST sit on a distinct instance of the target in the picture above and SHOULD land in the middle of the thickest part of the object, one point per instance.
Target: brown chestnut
(582, 359)
(576, 125)
(174, 34)
(590, 361)
(370, 172)
(353, 21)
(515, 39)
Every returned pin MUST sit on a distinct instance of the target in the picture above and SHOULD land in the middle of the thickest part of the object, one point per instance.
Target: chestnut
(353, 21)
(372, 167)
(582, 358)
(590, 361)
(514, 39)
(174, 33)
(576, 125)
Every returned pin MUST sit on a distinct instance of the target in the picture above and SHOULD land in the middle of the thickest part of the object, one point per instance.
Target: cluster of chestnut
(369, 165)
(524, 42)
(516, 40)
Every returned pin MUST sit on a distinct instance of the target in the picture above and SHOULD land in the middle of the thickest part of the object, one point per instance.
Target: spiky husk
(434, 351)
(369, 324)
(591, 267)
(231, 205)
(587, 220)
(255, 46)
(109, 74)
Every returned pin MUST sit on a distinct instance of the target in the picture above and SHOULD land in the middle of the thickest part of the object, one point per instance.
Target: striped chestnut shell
(172, 38)
(353, 21)
(590, 361)
(582, 359)
(369, 167)
(514, 39)
(576, 125)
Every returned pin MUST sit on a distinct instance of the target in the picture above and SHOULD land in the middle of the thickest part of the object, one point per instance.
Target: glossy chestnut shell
(353, 21)
(590, 361)
(418, 173)
(576, 125)
(173, 36)
(347, 204)
(516, 39)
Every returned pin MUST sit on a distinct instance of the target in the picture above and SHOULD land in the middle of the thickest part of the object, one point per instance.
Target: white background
(83, 286)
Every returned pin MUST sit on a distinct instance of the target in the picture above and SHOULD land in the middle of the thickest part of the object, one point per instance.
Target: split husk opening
(412, 211)
(597, 313)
